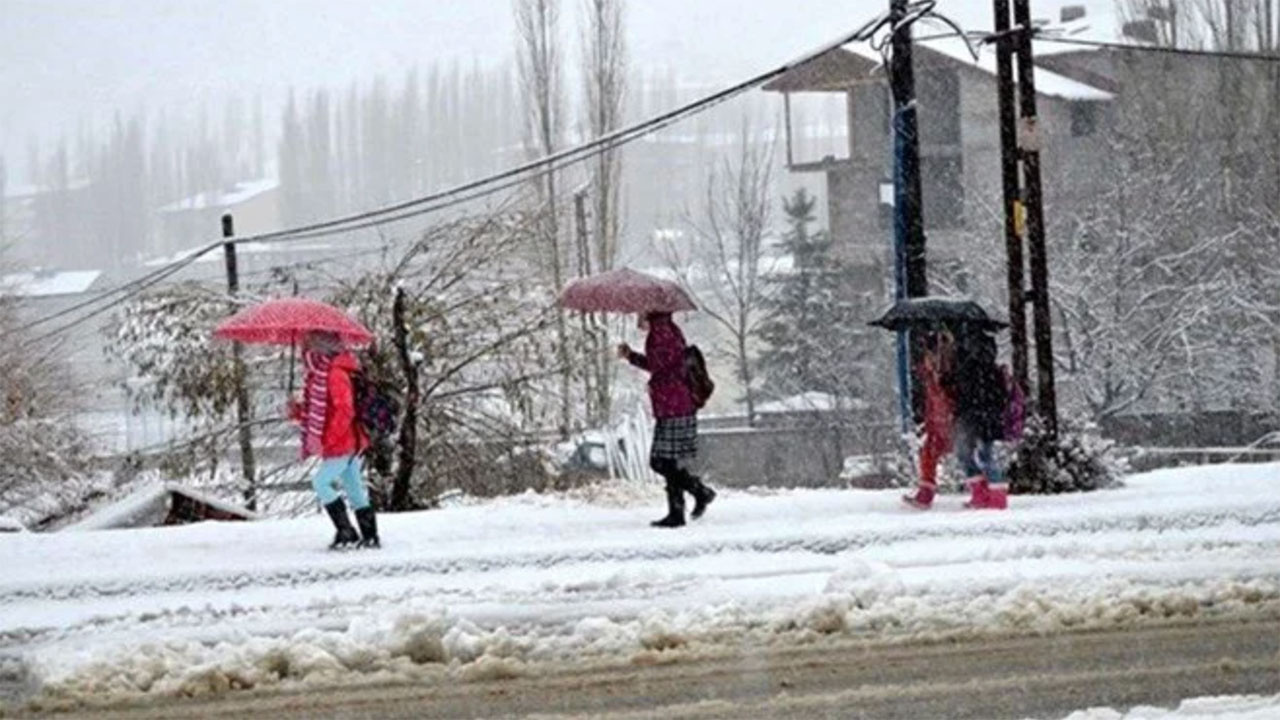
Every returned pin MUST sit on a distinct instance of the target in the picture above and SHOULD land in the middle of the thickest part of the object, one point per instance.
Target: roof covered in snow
(239, 193)
(41, 283)
(8, 524)
(1078, 20)
(808, 402)
(150, 505)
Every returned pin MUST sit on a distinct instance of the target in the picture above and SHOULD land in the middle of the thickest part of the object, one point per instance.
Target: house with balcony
(959, 147)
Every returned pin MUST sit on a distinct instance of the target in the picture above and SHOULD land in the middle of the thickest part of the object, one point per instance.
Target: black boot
(702, 497)
(368, 523)
(346, 535)
(675, 508)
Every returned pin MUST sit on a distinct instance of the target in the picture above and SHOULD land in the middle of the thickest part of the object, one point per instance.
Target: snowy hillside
(494, 588)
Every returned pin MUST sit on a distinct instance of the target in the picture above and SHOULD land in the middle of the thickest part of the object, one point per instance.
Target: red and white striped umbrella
(286, 321)
(625, 291)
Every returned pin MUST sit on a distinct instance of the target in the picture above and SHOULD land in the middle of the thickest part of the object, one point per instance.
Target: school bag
(700, 383)
(377, 410)
(1015, 409)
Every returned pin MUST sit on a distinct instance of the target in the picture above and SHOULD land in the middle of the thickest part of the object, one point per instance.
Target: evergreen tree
(812, 324)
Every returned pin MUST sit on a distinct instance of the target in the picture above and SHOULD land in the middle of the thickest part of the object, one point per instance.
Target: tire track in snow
(999, 526)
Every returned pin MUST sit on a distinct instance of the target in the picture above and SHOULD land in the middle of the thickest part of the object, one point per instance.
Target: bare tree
(723, 266)
(604, 75)
(538, 59)
(460, 333)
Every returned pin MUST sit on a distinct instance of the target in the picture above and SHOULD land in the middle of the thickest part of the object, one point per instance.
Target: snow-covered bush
(1079, 459)
(474, 361)
(46, 456)
(903, 466)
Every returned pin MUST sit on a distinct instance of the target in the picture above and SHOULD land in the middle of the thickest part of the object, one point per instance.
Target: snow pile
(500, 588)
(1237, 707)
(864, 601)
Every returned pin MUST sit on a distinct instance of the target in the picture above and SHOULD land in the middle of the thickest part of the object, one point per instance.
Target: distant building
(46, 225)
(194, 220)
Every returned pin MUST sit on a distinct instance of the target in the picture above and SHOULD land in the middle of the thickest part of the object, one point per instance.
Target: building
(195, 220)
(959, 146)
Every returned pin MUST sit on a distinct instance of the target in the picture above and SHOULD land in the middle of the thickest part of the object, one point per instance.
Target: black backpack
(700, 383)
(377, 410)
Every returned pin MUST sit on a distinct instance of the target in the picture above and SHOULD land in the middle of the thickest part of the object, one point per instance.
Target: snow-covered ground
(497, 586)
(1240, 707)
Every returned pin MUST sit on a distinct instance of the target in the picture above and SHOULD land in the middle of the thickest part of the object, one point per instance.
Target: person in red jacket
(330, 431)
(675, 413)
(939, 415)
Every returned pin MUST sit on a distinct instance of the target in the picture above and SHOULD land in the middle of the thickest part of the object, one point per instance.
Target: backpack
(377, 411)
(699, 380)
(1015, 409)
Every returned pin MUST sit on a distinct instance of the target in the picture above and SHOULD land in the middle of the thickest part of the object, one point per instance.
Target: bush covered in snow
(1079, 459)
(45, 455)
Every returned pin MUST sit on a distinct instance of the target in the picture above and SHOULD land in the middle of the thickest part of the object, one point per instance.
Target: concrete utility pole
(908, 221)
(1023, 143)
(244, 411)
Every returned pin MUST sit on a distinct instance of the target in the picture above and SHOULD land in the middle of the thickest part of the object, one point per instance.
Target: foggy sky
(64, 62)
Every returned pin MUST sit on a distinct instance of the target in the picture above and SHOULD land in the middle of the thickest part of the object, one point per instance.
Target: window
(1084, 118)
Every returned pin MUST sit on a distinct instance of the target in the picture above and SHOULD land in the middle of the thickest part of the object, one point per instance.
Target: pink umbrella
(625, 291)
(286, 321)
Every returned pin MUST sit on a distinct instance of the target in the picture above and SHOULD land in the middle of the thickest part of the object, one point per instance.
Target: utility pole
(244, 411)
(1012, 202)
(908, 222)
(1033, 197)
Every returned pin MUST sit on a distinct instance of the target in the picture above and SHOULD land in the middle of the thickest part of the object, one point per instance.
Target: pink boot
(979, 492)
(923, 499)
(985, 496)
(997, 497)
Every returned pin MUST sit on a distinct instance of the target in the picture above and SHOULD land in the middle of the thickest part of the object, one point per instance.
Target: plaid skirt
(675, 438)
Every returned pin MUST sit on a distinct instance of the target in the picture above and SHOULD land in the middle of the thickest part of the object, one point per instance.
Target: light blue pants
(348, 468)
(977, 456)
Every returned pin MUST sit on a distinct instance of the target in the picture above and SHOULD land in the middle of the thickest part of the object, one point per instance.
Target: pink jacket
(668, 380)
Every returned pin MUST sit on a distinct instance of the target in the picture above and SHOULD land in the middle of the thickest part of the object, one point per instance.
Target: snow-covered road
(536, 578)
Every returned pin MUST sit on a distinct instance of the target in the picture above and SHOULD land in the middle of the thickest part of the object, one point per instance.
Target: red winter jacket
(342, 435)
(663, 357)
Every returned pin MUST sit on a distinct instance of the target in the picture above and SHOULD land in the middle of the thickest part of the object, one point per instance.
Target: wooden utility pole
(1033, 197)
(908, 221)
(244, 410)
(1012, 201)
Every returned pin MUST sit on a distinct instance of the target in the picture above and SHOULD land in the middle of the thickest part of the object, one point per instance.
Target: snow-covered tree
(46, 458)
(814, 327)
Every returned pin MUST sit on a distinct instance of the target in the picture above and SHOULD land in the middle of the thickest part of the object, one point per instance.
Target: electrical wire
(1223, 54)
(587, 149)
(459, 194)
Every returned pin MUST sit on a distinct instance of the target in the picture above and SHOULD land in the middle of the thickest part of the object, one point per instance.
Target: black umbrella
(932, 311)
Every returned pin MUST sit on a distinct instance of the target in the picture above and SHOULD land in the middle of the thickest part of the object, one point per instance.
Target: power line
(1042, 35)
(1224, 54)
(459, 194)
(144, 281)
(590, 148)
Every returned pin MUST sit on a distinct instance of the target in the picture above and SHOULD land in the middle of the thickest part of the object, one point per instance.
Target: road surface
(1019, 677)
